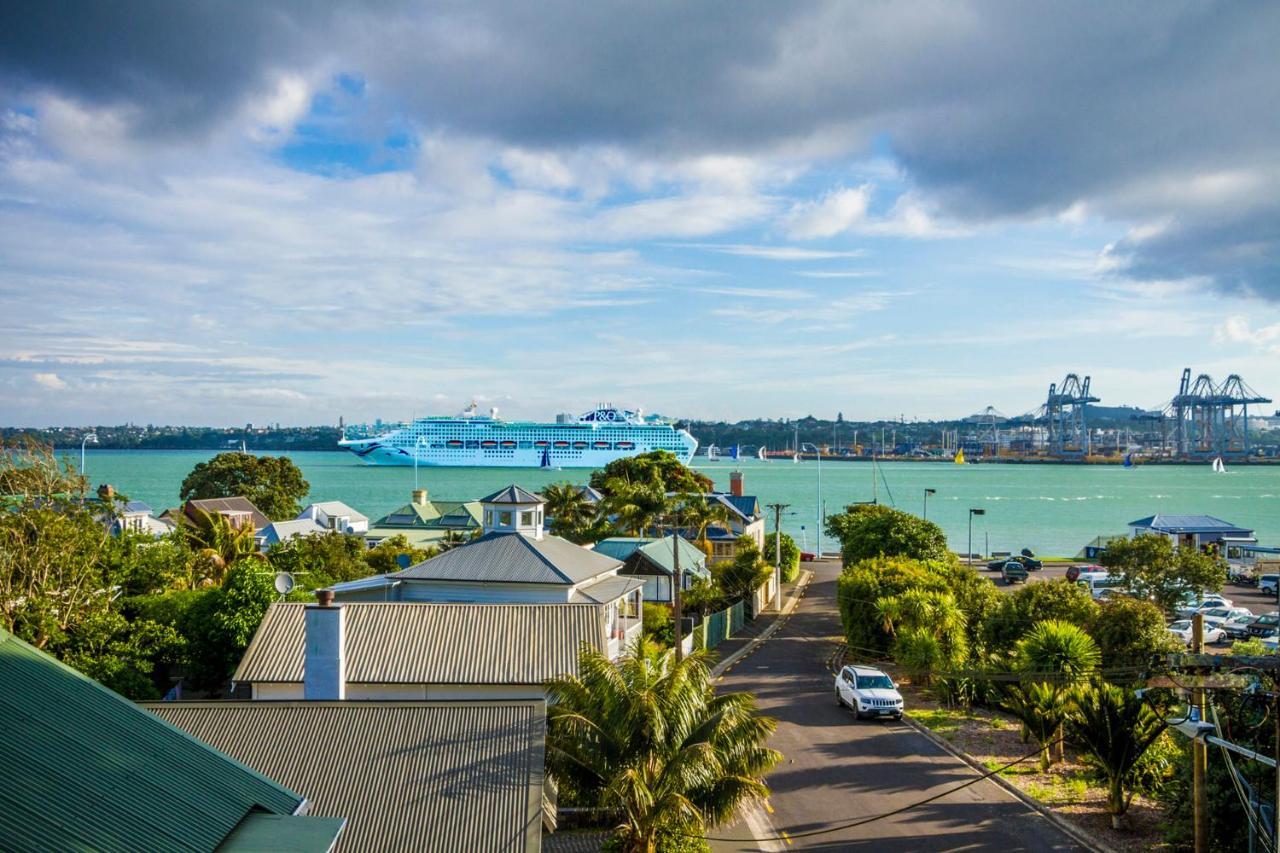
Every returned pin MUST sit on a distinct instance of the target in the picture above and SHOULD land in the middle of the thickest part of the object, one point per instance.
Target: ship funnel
(493, 412)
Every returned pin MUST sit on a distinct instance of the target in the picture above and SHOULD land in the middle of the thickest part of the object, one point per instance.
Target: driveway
(837, 770)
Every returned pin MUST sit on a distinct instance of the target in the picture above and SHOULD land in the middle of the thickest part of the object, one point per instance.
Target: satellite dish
(284, 583)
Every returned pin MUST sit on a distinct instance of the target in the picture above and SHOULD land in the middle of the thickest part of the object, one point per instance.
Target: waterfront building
(654, 561)
(1193, 531)
(86, 769)
(429, 776)
(335, 515)
(424, 522)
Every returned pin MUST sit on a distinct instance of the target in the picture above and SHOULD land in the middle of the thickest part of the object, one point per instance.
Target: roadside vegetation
(1046, 662)
(654, 750)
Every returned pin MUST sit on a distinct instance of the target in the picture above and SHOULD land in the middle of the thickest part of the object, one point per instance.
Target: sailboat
(1218, 466)
(713, 453)
(733, 453)
(760, 454)
(959, 460)
(546, 459)
(1128, 460)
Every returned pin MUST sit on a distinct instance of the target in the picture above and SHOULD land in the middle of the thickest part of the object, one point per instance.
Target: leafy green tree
(636, 506)
(143, 564)
(573, 515)
(219, 625)
(866, 531)
(1152, 565)
(272, 483)
(863, 584)
(1015, 613)
(695, 514)
(790, 555)
(659, 624)
(218, 544)
(1042, 709)
(650, 741)
(671, 474)
(384, 558)
(739, 577)
(31, 469)
(1115, 726)
(320, 561)
(122, 655)
(51, 576)
(928, 629)
(1129, 631)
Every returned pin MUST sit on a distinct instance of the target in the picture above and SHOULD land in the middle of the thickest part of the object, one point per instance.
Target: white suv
(869, 692)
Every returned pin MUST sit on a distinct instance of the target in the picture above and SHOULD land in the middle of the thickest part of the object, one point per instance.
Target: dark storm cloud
(996, 110)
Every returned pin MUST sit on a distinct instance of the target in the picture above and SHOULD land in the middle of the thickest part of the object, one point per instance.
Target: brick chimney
(107, 492)
(735, 484)
(324, 666)
(420, 497)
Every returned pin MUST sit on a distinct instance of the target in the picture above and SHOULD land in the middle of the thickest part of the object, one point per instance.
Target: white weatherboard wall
(324, 668)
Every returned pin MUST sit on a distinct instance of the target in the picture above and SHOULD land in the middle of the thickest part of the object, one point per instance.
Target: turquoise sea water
(1053, 509)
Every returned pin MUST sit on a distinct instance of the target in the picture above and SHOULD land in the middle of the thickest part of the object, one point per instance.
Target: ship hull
(482, 458)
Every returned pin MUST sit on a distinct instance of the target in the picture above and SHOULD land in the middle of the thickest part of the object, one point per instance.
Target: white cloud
(847, 211)
(777, 253)
(49, 380)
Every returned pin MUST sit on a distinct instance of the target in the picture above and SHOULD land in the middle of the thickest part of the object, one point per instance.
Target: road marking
(786, 837)
(768, 807)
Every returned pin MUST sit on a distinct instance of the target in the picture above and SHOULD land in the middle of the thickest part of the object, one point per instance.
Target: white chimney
(324, 667)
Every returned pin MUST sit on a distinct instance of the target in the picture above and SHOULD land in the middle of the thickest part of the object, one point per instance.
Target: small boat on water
(760, 454)
(959, 458)
(1219, 467)
(713, 453)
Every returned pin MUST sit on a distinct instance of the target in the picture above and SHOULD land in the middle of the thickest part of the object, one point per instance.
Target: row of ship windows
(554, 447)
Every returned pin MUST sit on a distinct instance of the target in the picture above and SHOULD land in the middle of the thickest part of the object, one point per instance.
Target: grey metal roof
(334, 508)
(512, 494)
(437, 776)
(1188, 524)
(86, 769)
(610, 589)
(647, 556)
(514, 558)
(402, 643)
(236, 504)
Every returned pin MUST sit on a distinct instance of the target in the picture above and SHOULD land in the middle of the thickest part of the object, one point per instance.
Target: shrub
(1129, 632)
(867, 531)
(863, 584)
(790, 555)
(1017, 612)
(659, 625)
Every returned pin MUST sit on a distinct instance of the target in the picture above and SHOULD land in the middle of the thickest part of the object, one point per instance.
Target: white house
(515, 562)
(335, 515)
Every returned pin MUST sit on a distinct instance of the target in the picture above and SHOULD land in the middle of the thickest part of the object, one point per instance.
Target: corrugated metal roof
(236, 504)
(1188, 524)
(87, 769)
(401, 643)
(512, 494)
(514, 558)
(333, 508)
(610, 589)
(657, 552)
(439, 776)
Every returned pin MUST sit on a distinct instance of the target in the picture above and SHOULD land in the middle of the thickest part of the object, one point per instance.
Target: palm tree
(568, 508)
(1116, 727)
(928, 627)
(218, 544)
(1041, 708)
(697, 514)
(650, 741)
(1058, 652)
(636, 507)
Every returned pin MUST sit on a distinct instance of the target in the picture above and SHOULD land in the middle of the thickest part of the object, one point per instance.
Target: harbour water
(1052, 509)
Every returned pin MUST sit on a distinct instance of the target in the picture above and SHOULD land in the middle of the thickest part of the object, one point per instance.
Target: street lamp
(818, 454)
(90, 438)
(928, 492)
(972, 513)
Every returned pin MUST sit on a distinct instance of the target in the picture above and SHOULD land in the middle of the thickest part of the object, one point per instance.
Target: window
(526, 518)
(504, 518)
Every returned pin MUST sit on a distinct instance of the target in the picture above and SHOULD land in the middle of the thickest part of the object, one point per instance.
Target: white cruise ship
(470, 440)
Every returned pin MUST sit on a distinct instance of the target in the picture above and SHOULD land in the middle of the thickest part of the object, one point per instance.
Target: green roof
(656, 552)
(86, 769)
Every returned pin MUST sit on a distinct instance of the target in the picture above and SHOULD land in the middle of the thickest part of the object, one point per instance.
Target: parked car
(1237, 627)
(1182, 630)
(1218, 615)
(1013, 571)
(807, 556)
(1192, 605)
(1030, 563)
(1267, 584)
(1272, 643)
(868, 692)
(1264, 625)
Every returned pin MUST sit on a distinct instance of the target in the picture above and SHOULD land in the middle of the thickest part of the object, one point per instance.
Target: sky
(218, 213)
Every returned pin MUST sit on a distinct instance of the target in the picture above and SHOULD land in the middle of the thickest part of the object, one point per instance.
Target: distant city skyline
(281, 212)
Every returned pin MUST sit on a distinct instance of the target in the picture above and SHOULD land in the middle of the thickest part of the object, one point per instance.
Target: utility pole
(677, 615)
(1199, 749)
(777, 547)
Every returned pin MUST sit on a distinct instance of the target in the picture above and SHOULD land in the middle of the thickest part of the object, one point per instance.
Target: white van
(1097, 582)
(1267, 584)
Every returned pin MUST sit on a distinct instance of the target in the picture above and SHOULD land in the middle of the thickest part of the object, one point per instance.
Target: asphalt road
(838, 770)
